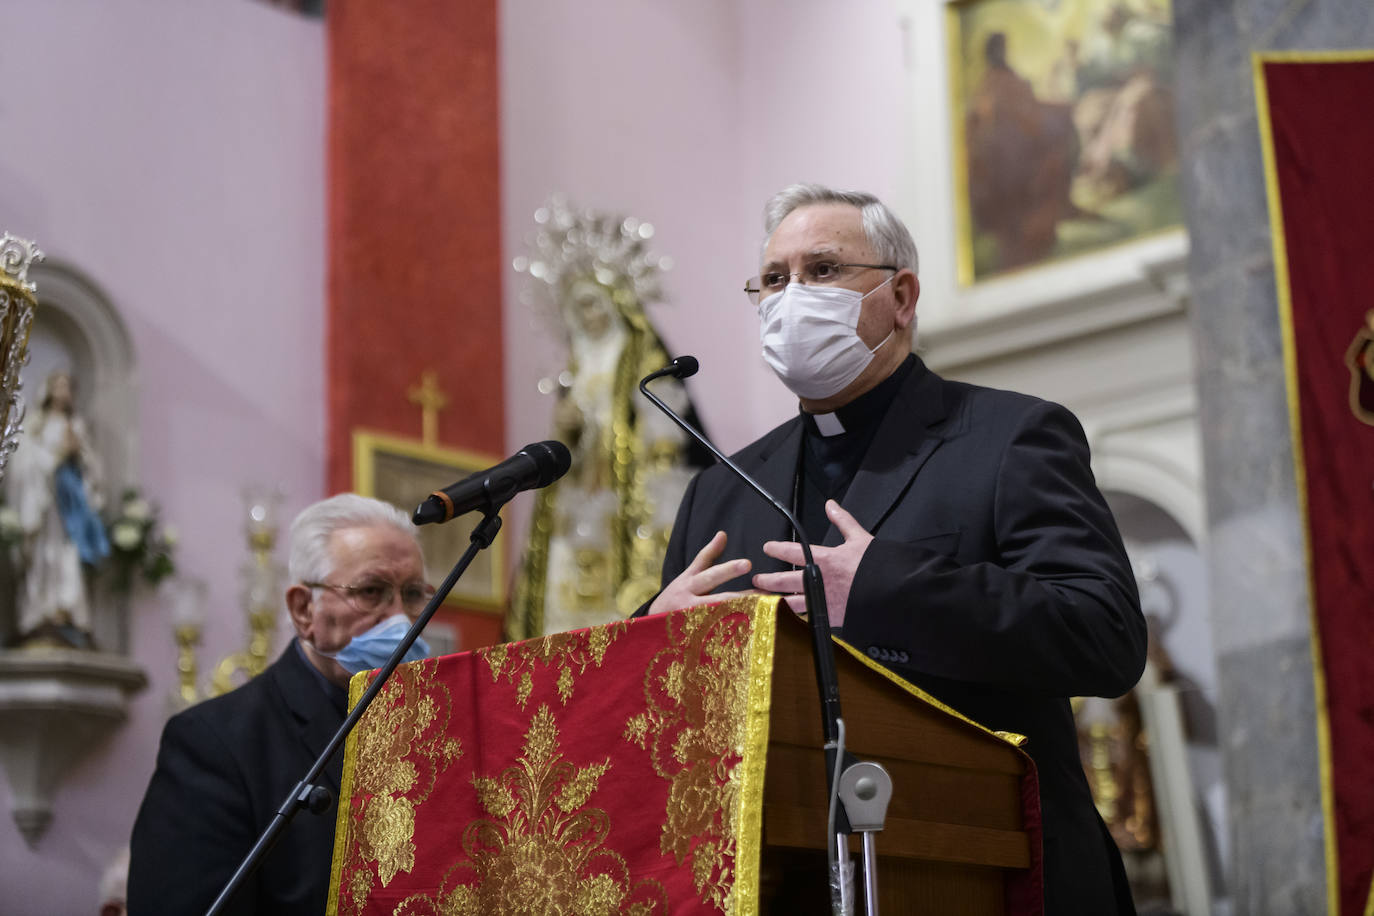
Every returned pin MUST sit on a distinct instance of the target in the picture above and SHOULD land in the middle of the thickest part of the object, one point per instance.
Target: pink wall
(631, 107)
(174, 152)
(690, 116)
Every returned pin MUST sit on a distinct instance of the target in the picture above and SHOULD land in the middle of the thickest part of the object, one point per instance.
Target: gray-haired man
(225, 765)
(966, 545)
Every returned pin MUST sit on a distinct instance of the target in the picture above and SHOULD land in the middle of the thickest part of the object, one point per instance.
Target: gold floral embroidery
(542, 841)
(360, 887)
(694, 729)
(400, 748)
(540, 851)
(571, 653)
(496, 657)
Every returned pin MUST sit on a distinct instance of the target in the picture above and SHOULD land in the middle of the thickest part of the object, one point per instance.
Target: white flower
(170, 535)
(126, 535)
(137, 509)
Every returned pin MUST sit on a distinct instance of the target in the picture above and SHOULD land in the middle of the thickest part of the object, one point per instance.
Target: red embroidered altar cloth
(617, 769)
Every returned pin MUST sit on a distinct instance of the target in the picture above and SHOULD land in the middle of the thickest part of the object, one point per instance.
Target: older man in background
(225, 766)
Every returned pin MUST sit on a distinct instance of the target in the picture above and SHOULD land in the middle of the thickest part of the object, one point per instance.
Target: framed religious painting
(1062, 129)
(404, 472)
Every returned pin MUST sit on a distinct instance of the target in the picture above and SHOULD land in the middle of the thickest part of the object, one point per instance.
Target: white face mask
(810, 337)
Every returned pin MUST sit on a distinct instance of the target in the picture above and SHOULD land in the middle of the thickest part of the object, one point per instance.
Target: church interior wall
(628, 108)
(173, 154)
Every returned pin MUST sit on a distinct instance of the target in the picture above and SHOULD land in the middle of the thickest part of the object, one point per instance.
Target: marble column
(1257, 569)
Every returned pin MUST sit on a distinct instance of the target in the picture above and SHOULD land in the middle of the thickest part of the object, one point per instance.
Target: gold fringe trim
(357, 686)
(754, 760)
(1011, 738)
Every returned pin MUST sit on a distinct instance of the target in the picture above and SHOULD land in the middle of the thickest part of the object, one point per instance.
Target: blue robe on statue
(81, 524)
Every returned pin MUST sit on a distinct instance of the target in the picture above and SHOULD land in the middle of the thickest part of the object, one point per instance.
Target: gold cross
(431, 400)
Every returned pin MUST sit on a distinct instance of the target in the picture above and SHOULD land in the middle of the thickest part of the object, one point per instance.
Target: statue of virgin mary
(54, 486)
(597, 537)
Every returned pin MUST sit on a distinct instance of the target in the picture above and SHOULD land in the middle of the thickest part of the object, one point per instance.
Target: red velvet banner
(414, 222)
(1319, 143)
(414, 234)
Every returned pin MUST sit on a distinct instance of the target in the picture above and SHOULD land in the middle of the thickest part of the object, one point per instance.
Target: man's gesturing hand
(694, 584)
(837, 564)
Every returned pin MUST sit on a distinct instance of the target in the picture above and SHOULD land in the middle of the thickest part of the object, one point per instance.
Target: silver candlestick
(18, 300)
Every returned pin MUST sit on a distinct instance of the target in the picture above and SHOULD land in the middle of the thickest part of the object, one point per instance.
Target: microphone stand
(306, 794)
(823, 652)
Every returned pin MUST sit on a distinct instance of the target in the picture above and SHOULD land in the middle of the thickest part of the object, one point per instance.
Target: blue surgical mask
(371, 648)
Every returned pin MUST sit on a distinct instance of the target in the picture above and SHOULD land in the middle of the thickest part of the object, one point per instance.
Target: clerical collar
(865, 410)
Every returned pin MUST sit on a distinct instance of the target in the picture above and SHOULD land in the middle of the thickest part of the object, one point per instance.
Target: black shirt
(833, 448)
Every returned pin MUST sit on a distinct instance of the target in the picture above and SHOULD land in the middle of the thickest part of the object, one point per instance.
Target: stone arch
(76, 327)
(77, 314)
(1167, 483)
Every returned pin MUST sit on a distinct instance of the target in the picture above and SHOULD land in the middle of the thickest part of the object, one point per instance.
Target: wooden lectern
(666, 765)
(955, 841)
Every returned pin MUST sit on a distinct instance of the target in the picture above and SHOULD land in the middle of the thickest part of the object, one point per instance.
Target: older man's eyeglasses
(370, 597)
(817, 273)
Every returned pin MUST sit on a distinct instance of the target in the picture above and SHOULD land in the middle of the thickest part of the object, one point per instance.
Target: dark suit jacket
(996, 581)
(223, 770)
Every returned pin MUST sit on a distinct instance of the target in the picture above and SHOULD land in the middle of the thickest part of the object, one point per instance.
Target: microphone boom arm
(813, 587)
(837, 760)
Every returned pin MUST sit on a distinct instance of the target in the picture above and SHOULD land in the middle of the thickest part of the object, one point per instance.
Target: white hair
(311, 560)
(887, 235)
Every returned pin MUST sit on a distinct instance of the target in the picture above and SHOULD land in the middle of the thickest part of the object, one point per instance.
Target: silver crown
(576, 244)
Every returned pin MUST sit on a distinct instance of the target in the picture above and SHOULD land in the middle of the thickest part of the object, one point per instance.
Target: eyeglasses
(817, 273)
(373, 596)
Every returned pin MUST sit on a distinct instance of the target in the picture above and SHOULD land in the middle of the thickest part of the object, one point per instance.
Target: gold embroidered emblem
(695, 732)
(541, 850)
(571, 653)
(1359, 359)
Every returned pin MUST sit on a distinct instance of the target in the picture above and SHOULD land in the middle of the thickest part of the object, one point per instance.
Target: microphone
(680, 368)
(813, 588)
(534, 466)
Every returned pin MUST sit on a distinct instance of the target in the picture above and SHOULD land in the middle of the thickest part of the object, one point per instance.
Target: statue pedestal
(55, 706)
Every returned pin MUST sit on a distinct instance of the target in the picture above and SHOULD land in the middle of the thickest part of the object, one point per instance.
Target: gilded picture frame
(1063, 129)
(405, 471)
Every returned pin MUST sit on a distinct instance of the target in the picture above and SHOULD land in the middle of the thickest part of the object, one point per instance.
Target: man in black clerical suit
(225, 766)
(966, 545)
